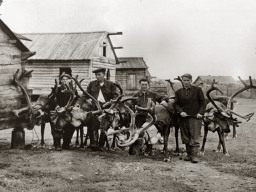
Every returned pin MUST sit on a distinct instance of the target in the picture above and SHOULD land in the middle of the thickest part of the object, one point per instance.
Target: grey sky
(202, 37)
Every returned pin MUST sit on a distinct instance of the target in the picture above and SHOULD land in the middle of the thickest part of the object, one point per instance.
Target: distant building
(227, 84)
(130, 71)
(71, 53)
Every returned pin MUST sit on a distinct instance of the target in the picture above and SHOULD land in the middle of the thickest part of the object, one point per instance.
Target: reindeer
(33, 114)
(219, 117)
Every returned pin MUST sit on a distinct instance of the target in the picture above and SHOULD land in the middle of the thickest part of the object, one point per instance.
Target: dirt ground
(44, 169)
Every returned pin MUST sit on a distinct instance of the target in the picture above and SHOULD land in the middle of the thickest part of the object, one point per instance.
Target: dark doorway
(65, 70)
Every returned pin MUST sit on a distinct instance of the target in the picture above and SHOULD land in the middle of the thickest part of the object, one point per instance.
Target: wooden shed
(72, 53)
(13, 56)
(130, 71)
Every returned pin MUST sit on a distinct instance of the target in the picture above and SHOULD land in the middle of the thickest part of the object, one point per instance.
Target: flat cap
(187, 75)
(64, 75)
(103, 70)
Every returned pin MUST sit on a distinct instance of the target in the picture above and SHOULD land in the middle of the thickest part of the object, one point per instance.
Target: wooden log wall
(10, 96)
(121, 77)
(45, 72)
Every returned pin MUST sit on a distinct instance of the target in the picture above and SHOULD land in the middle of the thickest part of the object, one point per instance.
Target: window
(131, 81)
(104, 49)
(66, 70)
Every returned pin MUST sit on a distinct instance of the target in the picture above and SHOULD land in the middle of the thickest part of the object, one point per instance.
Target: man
(190, 104)
(67, 130)
(143, 95)
(102, 90)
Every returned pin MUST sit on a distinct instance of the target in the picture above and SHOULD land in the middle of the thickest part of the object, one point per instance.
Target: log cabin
(13, 56)
(71, 53)
(129, 71)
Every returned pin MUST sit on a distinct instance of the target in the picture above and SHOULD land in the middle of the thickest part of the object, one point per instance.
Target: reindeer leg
(81, 128)
(166, 136)
(177, 138)
(42, 134)
(202, 151)
(77, 136)
(234, 132)
(222, 141)
(113, 142)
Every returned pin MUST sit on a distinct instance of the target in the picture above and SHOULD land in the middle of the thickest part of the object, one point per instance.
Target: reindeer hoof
(201, 153)
(167, 159)
(226, 154)
(235, 136)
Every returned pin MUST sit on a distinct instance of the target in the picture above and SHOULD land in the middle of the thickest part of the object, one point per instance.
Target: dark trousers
(190, 131)
(93, 125)
(140, 120)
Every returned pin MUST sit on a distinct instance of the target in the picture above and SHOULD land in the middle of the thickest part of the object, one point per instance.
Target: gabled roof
(13, 36)
(65, 46)
(219, 79)
(132, 63)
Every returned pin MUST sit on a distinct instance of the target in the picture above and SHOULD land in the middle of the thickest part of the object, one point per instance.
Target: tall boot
(194, 152)
(58, 144)
(94, 136)
(189, 151)
(66, 142)
(102, 140)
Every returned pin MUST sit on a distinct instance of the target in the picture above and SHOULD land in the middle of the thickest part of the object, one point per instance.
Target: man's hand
(199, 116)
(183, 114)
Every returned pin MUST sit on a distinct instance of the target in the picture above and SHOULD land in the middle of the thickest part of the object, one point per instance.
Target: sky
(201, 37)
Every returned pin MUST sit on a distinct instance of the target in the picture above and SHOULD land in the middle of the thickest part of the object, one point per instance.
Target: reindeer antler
(135, 134)
(171, 84)
(246, 87)
(210, 98)
(88, 94)
(16, 81)
(180, 80)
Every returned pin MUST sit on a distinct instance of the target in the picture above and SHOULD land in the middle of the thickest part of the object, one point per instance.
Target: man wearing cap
(190, 104)
(102, 90)
(143, 95)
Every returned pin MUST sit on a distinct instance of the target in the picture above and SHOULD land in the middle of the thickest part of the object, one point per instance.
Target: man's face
(144, 85)
(64, 80)
(100, 76)
(186, 82)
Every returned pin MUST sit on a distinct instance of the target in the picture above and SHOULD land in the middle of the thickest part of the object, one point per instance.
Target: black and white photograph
(127, 95)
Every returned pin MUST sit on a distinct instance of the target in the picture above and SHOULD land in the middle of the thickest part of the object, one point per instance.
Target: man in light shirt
(102, 90)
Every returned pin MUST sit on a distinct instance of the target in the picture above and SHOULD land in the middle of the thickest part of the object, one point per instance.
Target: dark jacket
(143, 98)
(191, 102)
(108, 90)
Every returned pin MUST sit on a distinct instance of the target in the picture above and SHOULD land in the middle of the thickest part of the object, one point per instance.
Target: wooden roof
(65, 46)
(219, 79)
(131, 63)
(13, 36)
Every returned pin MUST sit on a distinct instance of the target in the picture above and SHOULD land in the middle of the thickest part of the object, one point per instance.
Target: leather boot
(194, 158)
(66, 142)
(188, 150)
(102, 140)
(58, 144)
(94, 136)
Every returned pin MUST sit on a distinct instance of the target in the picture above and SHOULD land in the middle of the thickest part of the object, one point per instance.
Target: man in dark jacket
(143, 95)
(190, 104)
(59, 131)
(102, 90)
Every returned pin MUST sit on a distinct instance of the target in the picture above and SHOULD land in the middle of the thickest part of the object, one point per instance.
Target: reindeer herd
(117, 117)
